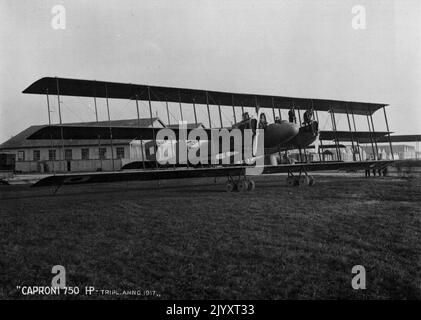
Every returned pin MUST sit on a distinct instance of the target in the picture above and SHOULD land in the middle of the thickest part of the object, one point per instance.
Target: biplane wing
(232, 171)
(115, 90)
(397, 138)
(360, 136)
(118, 132)
(104, 132)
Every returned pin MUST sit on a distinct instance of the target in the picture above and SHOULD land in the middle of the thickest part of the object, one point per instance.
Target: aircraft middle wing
(104, 132)
(350, 135)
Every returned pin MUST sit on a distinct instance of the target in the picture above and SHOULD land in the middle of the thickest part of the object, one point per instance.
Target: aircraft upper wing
(163, 174)
(114, 90)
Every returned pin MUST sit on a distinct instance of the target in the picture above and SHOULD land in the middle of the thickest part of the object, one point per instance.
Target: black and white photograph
(206, 156)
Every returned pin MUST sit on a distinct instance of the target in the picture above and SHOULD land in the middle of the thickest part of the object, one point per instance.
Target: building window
(120, 152)
(68, 154)
(85, 154)
(102, 153)
(21, 155)
(37, 155)
(52, 154)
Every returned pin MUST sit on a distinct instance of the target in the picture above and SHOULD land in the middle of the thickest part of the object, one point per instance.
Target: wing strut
(355, 130)
(388, 134)
(99, 136)
(140, 136)
(352, 135)
(334, 128)
(109, 123)
(371, 138)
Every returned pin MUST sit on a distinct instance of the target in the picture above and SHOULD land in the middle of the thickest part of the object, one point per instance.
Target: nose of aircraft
(279, 133)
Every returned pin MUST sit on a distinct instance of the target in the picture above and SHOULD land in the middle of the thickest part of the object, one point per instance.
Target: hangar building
(32, 155)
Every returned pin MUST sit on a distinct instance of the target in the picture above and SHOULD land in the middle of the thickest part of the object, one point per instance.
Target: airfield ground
(190, 239)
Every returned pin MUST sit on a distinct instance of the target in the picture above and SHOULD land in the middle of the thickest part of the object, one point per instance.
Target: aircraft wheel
(304, 180)
(230, 186)
(291, 181)
(242, 186)
(251, 185)
(311, 180)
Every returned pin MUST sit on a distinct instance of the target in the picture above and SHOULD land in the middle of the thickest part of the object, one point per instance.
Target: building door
(69, 166)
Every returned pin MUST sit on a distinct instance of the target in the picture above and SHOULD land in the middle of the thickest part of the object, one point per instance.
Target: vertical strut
(374, 135)
(332, 116)
(207, 105)
(256, 106)
(179, 102)
(99, 136)
(195, 114)
(168, 113)
(355, 130)
(140, 136)
(233, 108)
(273, 109)
(61, 125)
(48, 107)
(220, 115)
(371, 138)
(388, 133)
(320, 141)
(352, 135)
(299, 149)
(299, 116)
(153, 126)
(109, 125)
(49, 123)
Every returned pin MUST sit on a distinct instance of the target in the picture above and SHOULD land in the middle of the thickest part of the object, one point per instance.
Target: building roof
(189, 126)
(21, 139)
(142, 122)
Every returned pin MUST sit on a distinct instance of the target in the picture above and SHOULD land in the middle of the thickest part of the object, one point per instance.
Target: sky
(299, 48)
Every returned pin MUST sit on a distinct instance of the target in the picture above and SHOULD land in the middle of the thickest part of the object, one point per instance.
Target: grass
(191, 240)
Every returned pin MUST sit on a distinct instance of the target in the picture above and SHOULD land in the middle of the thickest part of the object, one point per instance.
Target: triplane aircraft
(238, 160)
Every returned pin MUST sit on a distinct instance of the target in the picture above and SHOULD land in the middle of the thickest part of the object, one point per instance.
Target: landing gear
(303, 179)
(242, 184)
(311, 181)
(230, 186)
(292, 181)
(252, 185)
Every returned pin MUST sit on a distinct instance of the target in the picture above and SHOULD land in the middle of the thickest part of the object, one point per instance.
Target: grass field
(190, 239)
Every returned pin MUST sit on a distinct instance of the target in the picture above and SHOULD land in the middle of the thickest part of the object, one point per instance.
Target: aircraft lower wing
(163, 174)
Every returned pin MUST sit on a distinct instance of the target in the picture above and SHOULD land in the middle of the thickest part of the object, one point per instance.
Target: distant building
(346, 153)
(400, 151)
(33, 155)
